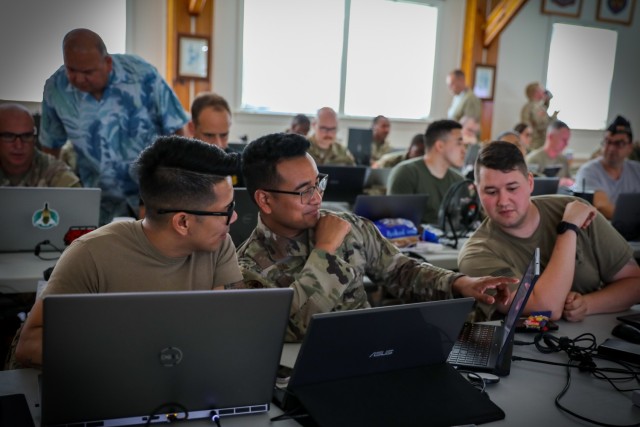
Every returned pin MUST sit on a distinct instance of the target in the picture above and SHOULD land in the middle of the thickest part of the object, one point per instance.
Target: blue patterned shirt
(108, 134)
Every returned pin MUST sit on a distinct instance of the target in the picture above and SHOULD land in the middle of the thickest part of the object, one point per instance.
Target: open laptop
(247, 216)
(386, 366)
(359, 144)
(115, 359)
(545, 185)
(487, 348)
(407, 206)
(345, 182)
(31, 215)
(626, 217)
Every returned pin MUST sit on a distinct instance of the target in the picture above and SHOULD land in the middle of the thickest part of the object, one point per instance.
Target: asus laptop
(359, 144)
(545, 185)
(626, 217)
(487, 348)
(247, 220)
(386, 366)
(116, 359)
(345, 182)
(31, 215)
(407, 206)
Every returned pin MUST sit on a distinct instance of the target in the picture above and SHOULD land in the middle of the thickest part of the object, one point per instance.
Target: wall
(524, 47)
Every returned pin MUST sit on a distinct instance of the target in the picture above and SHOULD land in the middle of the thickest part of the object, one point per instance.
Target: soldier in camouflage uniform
(21, 163)
(324, 256)
(534, 113)
(380, 146)
(324, 148)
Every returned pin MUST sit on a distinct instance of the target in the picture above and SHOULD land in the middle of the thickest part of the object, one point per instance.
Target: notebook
(626, 217)
(114, 359)
(377, 177)
(247, 220)
(545, 185)
(345, 182)
(408, 206)
(487, 348)
(359, 144)
(386, 366)
(30, 215)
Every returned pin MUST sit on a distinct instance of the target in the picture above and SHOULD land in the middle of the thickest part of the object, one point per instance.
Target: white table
(21, 271)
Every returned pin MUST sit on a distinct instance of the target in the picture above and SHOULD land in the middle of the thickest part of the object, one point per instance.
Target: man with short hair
(534, 113)
(324, 148)
(550, 154)
(21, 163)
(210, 119)
(587, 267)
(300, 124)
(613, 173)
(380, 128)
(464, 102)
(110, 107)
(181, 244)
(323, 256)
(432, 173)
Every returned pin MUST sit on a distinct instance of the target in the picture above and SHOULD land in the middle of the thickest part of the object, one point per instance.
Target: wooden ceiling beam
(499, 18)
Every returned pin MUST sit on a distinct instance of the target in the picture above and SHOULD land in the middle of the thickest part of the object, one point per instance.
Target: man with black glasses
(612, 173)
(22, 164)
(324, 256)
(181, 244)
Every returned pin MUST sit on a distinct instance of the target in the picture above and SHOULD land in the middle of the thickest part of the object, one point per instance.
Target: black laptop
(345, 182)
(544, 185)
(626, 217)
(359, 143)
(487, 348)
(386, 366)
(247, 220)
(407, 206)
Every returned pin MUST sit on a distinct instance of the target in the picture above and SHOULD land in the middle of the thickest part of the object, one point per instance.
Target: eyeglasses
(10, 137)
(326, 129)
(306, 195)
(228, 213)
(616, 143)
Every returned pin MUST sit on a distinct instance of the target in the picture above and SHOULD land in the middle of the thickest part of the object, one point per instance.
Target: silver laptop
(31, 215)
(487, 348)
(407, 206)
(247, 220)
(386, 366)
(122, 358)
(626, 217)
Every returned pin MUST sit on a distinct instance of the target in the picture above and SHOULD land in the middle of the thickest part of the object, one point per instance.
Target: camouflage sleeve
(318, 286)
(406, 278)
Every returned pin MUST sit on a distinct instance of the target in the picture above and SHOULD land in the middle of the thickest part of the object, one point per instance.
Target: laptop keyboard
(473, 346)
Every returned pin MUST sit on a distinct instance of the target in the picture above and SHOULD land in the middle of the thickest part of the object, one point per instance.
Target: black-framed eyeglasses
(228, 213)
(10, 137)
(306, 195)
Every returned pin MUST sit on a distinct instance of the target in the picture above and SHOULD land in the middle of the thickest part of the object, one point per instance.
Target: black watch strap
(564, 226)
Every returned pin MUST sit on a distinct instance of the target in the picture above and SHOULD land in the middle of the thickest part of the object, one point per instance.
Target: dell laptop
(138, 357)
(487, 348)
(33, 215)
(386, 366)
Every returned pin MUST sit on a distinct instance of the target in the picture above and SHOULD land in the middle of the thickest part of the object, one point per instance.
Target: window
(361, 57)
(579, 74)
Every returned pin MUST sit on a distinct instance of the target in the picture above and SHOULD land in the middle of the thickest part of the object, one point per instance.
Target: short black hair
(300, 119)
(261, 157)
(208, 99)
(500, 155)
(178, 173)
(439, 130)
(557, 125)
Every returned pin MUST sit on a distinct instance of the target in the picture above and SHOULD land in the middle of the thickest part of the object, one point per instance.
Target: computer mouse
(627, 333)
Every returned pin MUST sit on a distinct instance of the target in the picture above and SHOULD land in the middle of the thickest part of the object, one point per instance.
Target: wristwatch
(564, 226)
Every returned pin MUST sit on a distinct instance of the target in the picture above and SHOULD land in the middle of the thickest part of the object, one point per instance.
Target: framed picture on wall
(193, 56)
(484, 81)
(619, 12)
(562, 7)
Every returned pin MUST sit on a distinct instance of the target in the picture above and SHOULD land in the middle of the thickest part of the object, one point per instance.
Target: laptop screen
(112, 359)
(521, 296)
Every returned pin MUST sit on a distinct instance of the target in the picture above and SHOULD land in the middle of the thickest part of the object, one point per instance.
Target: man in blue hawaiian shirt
(110, 107)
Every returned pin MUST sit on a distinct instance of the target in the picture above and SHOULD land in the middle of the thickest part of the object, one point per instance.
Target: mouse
(626, 332)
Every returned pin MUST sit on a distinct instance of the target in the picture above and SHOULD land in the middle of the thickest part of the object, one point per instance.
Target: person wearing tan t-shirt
(181, 244)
